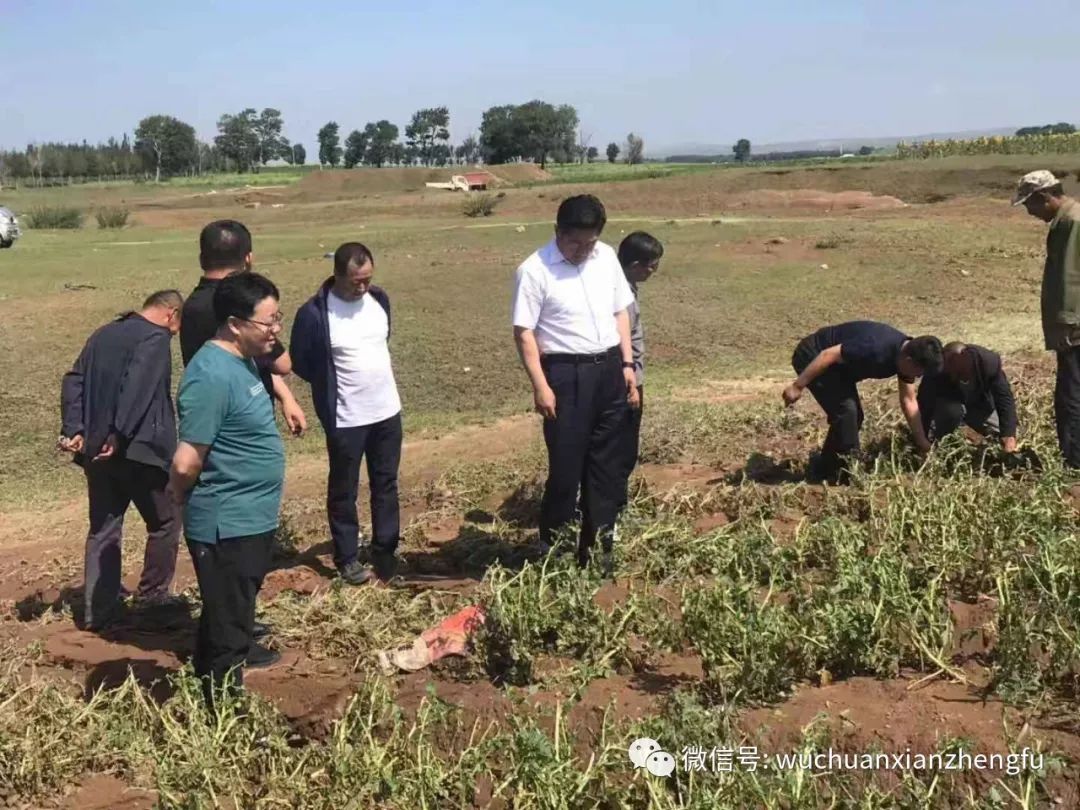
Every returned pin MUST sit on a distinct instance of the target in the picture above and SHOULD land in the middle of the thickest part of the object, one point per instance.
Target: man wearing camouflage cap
(1042, 195)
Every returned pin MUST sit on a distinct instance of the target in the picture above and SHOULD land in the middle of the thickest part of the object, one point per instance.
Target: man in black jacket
(340, 345)
(973, 389)
(119, 422)
(225, 248)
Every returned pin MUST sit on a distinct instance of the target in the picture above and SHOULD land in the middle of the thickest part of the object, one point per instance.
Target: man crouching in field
(832, 361)
(228, 473)
(971, 389)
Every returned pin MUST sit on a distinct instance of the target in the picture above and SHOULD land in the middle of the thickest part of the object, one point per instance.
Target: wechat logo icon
(646, 753)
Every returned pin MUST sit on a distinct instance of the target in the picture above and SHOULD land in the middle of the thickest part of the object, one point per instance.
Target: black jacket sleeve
(997, 385)
(71, 398)
(143, 378)
(1004, 403)
(379, 294)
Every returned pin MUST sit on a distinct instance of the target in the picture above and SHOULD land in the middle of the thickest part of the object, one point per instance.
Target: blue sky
(674, 72)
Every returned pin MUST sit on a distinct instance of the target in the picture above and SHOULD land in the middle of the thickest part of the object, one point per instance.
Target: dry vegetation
(934, 606)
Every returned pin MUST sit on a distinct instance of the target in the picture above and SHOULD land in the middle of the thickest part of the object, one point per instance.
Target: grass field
(926, 607)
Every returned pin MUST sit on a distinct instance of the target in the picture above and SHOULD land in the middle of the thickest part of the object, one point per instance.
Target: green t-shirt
(223, 404)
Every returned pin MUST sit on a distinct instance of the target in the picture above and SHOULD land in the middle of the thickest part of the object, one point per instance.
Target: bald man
(972, 389)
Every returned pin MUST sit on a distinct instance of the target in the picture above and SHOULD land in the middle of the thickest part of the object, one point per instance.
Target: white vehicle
(9, 227)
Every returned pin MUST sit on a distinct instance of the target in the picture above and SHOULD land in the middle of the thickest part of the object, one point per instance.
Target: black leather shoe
(261, 630)
(260, 657)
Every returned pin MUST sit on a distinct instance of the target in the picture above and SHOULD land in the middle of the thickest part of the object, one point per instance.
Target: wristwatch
(629, 365)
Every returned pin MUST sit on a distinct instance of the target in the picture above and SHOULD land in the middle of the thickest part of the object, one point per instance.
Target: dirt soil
(40, 566)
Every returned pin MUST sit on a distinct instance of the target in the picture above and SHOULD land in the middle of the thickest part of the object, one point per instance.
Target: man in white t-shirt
(573, 334)
(340, 346)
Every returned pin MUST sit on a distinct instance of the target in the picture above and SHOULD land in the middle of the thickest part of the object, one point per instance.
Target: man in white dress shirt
(340, 346)
(573, 334)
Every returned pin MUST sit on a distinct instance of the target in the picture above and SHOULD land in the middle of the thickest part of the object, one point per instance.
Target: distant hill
(847, 144)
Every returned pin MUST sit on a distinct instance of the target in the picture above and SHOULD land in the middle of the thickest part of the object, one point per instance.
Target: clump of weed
(112, 217)
(479, 204)
(55, 217)
(549, 607)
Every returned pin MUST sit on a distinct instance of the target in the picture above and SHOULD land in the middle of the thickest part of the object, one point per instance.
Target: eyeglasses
(272, 325)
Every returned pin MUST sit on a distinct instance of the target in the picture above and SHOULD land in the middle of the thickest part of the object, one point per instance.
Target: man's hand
(630, 378)
(72, 445)
(1008, 444)
(108, 449)
(544, 399)
(922, 445)
(294, 417)
(792, 394)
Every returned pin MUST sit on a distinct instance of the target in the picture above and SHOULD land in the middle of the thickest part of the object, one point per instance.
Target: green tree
(381, 141)
(329, 145)
(355, 148)
(866, 150)
(592, 153)
(635, 149)
(469, 151)
(541, 129)
(299, 154)
(498, 137)
(238, 140)
(428, 129)
(741, 150)
(166, 144)
(612, 152)
(268, 131)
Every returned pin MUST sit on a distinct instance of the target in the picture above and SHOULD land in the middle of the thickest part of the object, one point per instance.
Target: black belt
(581, 359)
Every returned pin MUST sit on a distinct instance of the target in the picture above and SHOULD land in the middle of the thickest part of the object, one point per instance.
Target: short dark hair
(236, 296)
(581, 213)
(164, 298)
(224, 244)
(955, 347)
(351, 254)
(640, 247)
(926, 352)
(1055, 191)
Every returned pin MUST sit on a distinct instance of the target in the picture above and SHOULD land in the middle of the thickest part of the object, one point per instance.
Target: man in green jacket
(1042, 195)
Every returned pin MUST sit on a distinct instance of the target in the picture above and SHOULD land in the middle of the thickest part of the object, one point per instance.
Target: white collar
(554, 255)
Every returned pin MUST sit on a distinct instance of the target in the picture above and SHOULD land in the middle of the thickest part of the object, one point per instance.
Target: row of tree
(427, 143)
(165, 146)
(1049, 129)
(535, 131)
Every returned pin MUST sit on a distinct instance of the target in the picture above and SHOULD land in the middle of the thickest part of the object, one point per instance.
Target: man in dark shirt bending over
(833, 360)
(225, 248)
(971, 389)
(118, 421)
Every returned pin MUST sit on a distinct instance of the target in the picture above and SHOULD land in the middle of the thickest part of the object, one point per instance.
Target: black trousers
(943, 407)
(112, 486)
(230, 574)
(380, 444)
(587, 449)
(1067, 405)
(837, 392)
(633, 441)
